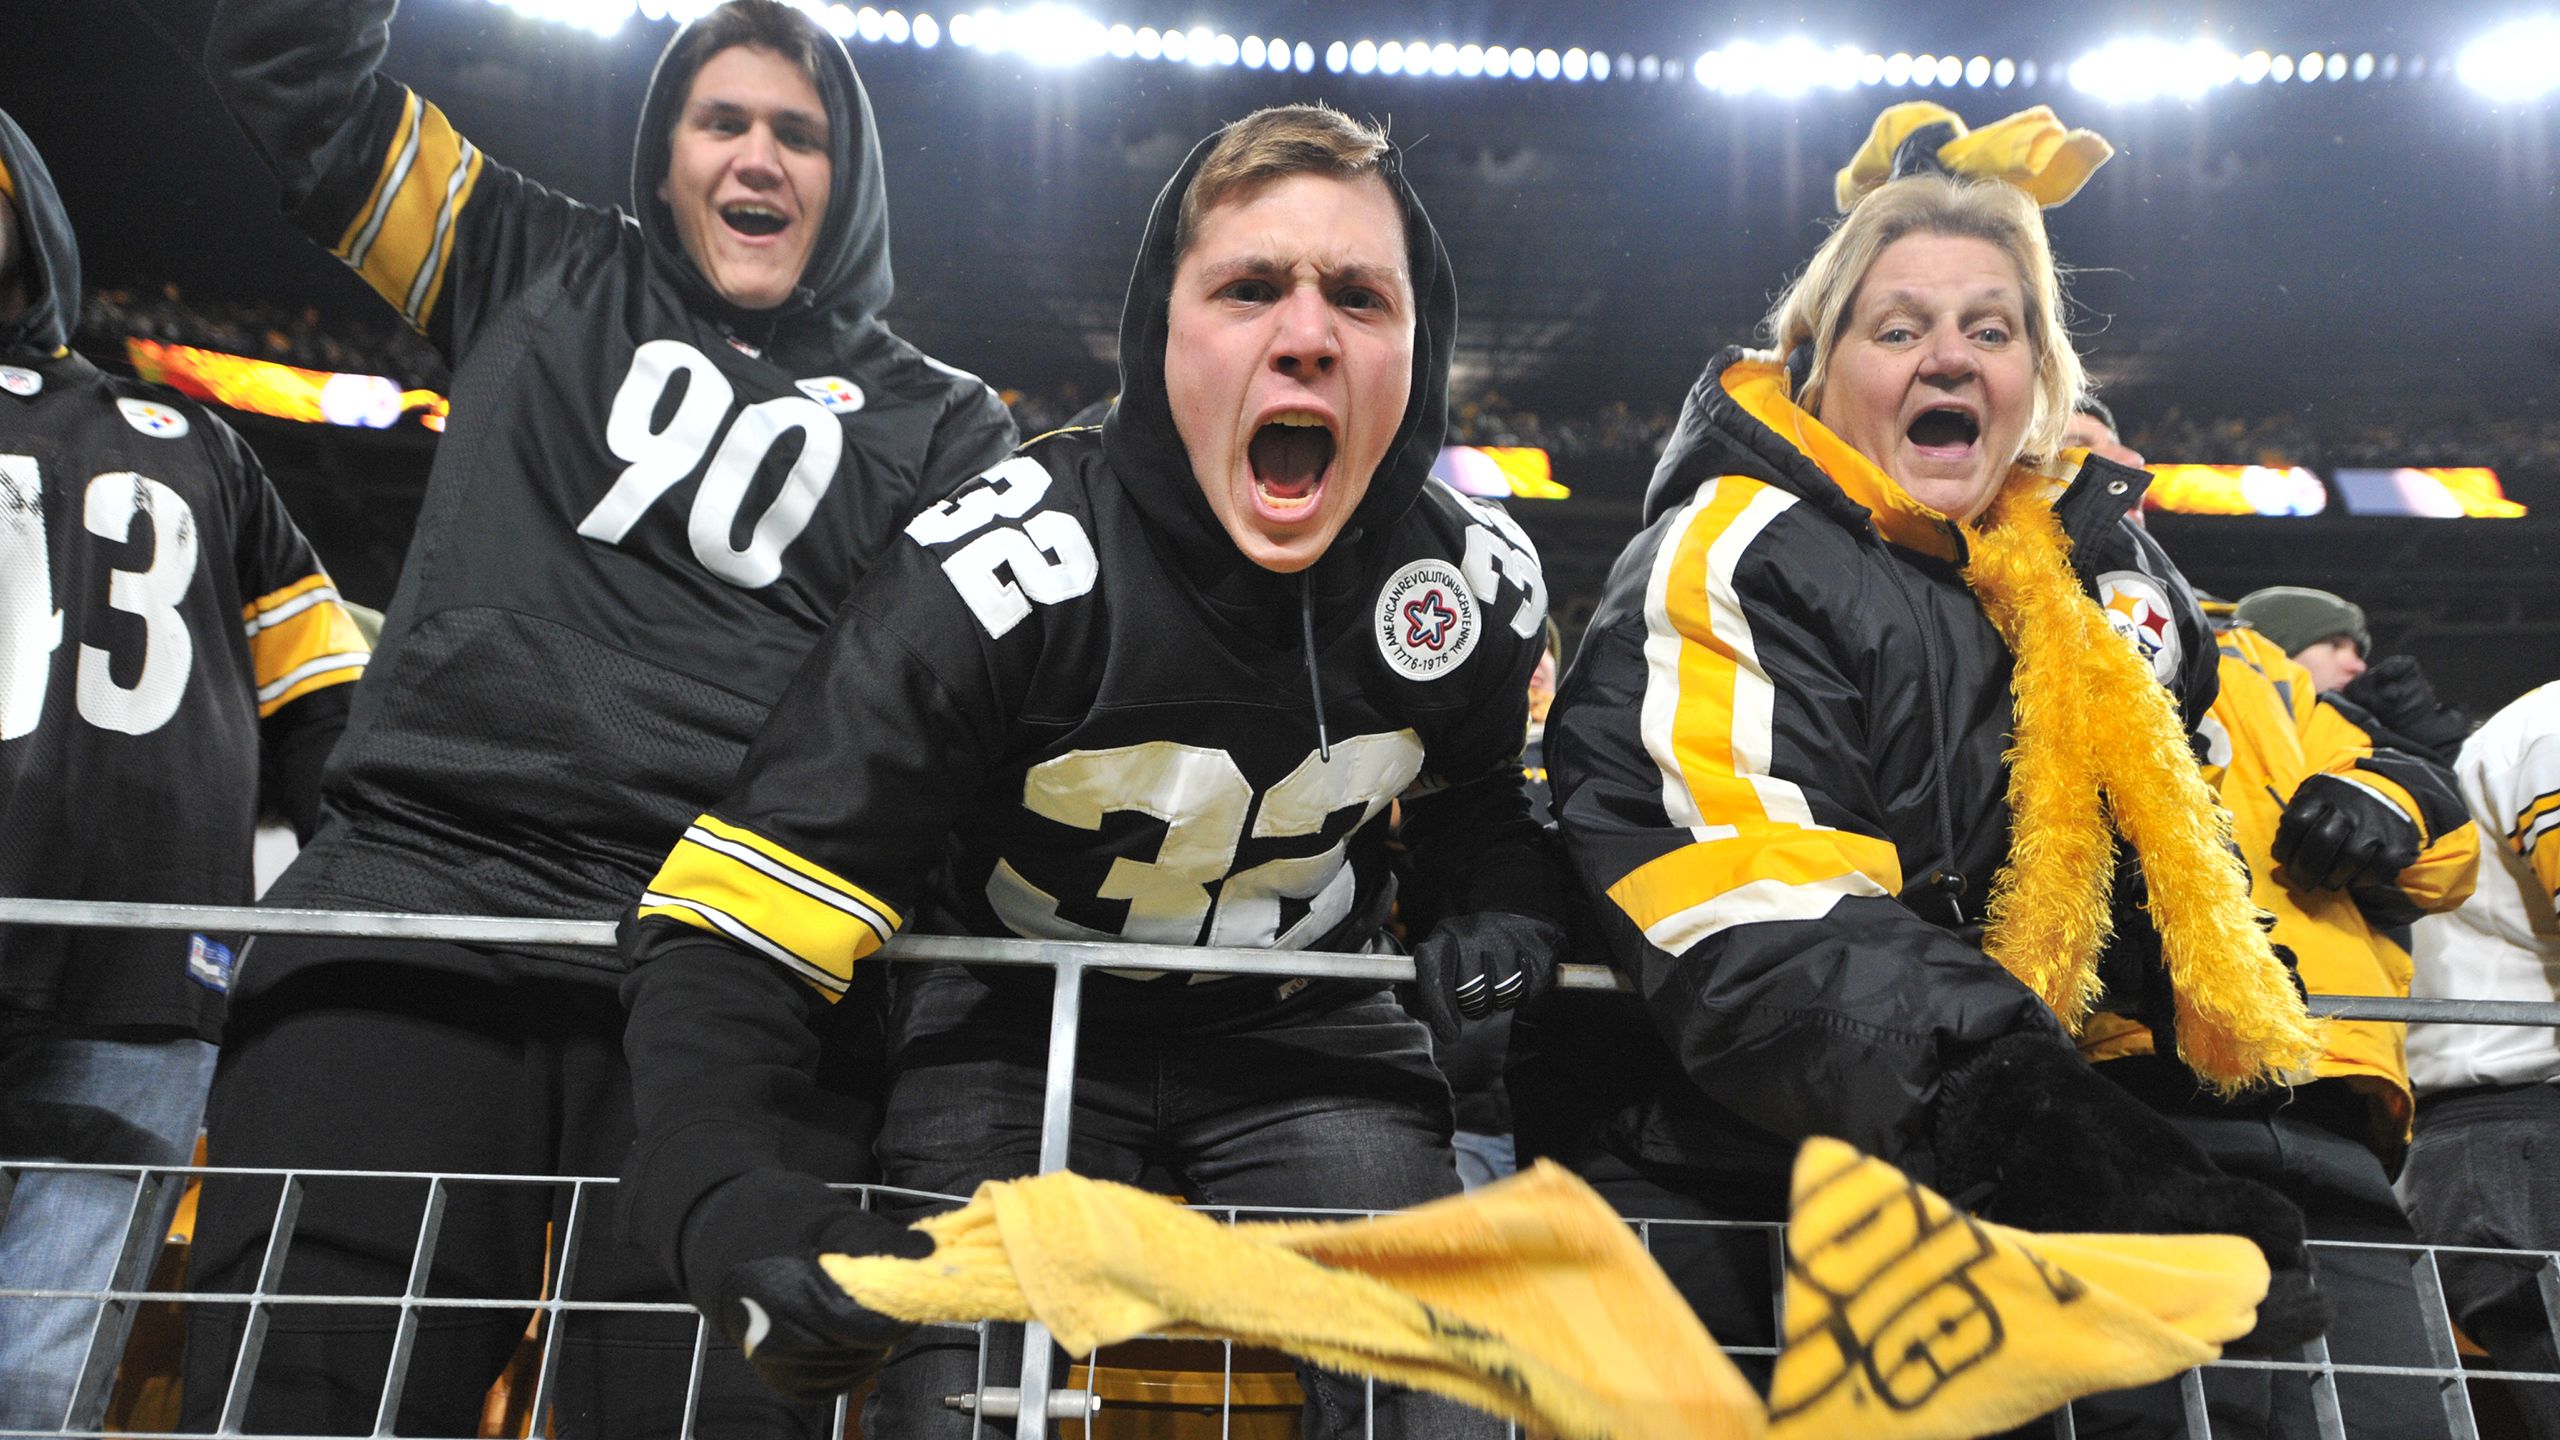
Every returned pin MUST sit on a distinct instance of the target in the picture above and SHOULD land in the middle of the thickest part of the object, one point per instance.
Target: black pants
(368, 1064)
(1327, 1099)
(2344, 1196)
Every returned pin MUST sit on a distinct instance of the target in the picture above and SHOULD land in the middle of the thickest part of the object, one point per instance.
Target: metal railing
(1069, 960)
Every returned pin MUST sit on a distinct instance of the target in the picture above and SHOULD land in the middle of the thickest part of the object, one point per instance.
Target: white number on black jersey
(1498, 551)
(1002, 573)
(31, 626)
(1203, 799)
(660, 458)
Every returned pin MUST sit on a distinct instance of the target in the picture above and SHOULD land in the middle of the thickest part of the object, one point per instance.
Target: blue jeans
(106, 1102)
(2485, 1171)
(1483, 1159)
(1328, 1098)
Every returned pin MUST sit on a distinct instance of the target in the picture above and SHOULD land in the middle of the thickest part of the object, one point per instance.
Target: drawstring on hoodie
(1315, 681)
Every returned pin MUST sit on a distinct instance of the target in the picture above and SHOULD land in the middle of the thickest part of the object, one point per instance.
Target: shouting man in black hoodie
(679, 435)
(1155, 683)
(173, 663)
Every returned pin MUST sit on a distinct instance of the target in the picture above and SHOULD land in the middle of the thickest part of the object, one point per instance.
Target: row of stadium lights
(2518, 62)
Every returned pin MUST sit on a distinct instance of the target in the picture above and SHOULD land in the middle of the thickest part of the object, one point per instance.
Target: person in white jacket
(2485, 1167)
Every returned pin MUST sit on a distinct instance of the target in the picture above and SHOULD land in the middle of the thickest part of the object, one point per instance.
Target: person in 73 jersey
(1156, 682)
(174, 663)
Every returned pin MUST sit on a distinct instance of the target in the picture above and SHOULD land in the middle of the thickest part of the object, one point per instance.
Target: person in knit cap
(2323, 633)
(1880, 731)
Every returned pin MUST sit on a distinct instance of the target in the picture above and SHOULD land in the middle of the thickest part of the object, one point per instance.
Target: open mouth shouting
(754, 219)
(1944, 432)
(1291, 456)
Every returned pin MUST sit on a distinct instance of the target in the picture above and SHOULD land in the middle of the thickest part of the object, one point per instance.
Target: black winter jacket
(1778, 767)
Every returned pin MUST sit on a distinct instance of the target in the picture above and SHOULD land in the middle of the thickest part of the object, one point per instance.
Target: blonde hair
(1271, 144)
(1815, 309)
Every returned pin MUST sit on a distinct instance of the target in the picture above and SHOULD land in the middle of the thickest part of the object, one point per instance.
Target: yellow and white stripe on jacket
(738, 884)
(1756, 852)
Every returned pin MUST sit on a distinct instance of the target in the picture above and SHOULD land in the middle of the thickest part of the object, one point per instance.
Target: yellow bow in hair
(2030, 150)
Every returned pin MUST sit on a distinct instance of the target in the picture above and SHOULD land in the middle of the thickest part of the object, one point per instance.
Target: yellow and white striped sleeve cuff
(738, 884)
(301, 639)
(2536, 837)
(401, 241)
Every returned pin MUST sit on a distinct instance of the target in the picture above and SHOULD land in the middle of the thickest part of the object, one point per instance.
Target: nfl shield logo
(838, 394)
(153, 419)
(20, 382)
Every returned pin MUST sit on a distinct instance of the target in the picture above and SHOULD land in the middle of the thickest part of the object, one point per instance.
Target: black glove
(2335, 833)
(1472, 965)
(2399, 695)
(802, 1333)
(2028, 1135)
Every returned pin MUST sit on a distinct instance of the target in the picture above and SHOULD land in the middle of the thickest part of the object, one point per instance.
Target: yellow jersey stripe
(831, 887)
(2541, 808)
(301, 639)
(401, 240)
(2542, 852)
(720, 922)
(743, 890)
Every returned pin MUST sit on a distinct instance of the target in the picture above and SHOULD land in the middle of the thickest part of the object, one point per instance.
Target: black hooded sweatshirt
(648, 504)
(173, 661)
(1072, 708)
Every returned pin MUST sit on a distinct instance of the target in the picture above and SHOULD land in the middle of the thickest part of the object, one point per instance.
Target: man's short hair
(1272, 144)
(764, 24)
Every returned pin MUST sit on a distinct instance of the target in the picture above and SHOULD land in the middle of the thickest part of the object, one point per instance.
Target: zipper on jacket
(1945, 885)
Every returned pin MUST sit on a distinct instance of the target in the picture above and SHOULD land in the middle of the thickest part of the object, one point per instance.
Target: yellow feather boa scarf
(2096, 738)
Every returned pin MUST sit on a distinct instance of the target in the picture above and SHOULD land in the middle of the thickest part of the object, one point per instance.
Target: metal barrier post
(114, 1319)
(1057, 1127)
(2453, 1390)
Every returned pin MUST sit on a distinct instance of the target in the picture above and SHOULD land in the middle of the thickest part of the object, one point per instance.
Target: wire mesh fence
(132, 1326)
(1158, 1387)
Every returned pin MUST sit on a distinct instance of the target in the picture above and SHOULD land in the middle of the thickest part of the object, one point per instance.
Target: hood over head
(1146, 451)
(48, 258)
(847, 279)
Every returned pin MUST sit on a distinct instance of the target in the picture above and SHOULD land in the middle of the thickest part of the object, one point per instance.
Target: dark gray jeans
(1327, 1098)
(2485, 1170)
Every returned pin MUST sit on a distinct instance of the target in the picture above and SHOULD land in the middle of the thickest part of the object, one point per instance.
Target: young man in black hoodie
(1157, 682)
(680, 433)
(173, 663)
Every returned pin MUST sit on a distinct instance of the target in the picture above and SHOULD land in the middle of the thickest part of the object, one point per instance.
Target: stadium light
(2515, 63)
(1792, 66)
(2145, 69)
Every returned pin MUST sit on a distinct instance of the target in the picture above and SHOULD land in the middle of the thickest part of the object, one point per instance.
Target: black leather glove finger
(802, 1333)
(2336, 833)
(1474, 964)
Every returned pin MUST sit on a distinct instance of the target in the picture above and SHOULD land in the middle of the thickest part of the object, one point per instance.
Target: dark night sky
(2342, 246)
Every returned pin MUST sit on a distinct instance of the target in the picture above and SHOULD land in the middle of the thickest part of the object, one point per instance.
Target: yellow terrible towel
(1908, 1319)
(1530, 1299)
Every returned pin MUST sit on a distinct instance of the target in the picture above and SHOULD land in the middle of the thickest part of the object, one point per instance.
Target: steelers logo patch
(839, 395)
(153, 419)
(1426, 621)
(2138, 608)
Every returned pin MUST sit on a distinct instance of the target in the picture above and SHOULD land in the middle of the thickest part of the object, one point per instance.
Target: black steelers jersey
(162, 625)
(646, 508)
(1030, 723)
